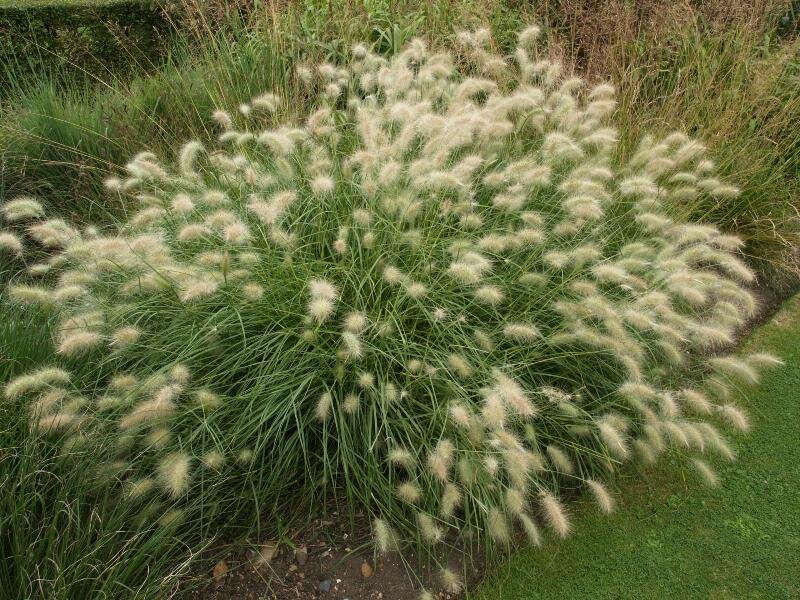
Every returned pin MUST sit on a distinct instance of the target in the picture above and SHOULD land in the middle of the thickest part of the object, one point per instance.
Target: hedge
(84, 34)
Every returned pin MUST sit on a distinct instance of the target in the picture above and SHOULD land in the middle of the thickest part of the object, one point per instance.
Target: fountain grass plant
(443, 297)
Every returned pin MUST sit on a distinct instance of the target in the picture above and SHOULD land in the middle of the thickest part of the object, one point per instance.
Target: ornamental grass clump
(442, 297)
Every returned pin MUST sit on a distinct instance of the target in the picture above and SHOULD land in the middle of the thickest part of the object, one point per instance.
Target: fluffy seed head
(489, 294)
(601, 496)
(366, 380)
(430, 532)
(10, 242)
(451, 498)
(554, 513)
(355, 322)
(613, 439)
(515, 501)
(125, 336)
(707, 474)
(560, 459)
(322, 410)
(459, 365)
(21, 209)
(733, 367)
(441, 459)
(531, 531)
(521, 332)
(43, 378)
(79, 342)
(383, 536)
(735, 416)
(409, 492)
(173, 473)
(351, 403)
(497, 526)
(322, 288)
(406, 185)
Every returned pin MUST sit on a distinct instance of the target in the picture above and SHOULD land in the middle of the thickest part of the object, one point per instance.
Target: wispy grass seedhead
(445, 295)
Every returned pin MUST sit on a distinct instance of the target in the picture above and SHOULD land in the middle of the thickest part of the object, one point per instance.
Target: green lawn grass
(674, 539)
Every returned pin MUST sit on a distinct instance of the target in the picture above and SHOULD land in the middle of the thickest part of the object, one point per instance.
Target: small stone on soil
(366, 570)
(266, 553)
(325, 586)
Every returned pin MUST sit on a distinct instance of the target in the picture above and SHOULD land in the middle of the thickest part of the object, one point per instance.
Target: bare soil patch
(328, 562)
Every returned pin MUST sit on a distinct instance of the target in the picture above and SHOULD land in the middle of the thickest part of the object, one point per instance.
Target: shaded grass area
(670, 538)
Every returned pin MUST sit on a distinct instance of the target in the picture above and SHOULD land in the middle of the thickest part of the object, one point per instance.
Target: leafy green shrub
(443, 297)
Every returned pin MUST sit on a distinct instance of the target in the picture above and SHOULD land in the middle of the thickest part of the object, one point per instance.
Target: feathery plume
(56, 422)
(497, 526)
(402, 458)
(560, 459)
(733, 367)
(521, 332)
(173, 473)
(322, 288)
(451, 582)
(355, 322)
(601, 496)
(493, 413)
(22, 209)
(735, 417)
(459, 365)
(441, 459)
(125, 336)
(79, 342)
(351, 403)
(43, 378)
(451, 498)
(554, 513)
(763, 360)
(409, 492)
(322, 410)
(531, 531)
(706, 472)
(10, 242)
(383, 536)
(198, 289)
(515, 501)
(489, 294)
(366, 380)
(613, 439)
(352, 345)
(188, 157)
(430, 532)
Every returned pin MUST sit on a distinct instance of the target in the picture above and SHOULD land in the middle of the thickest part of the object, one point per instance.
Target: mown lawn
(673, 538)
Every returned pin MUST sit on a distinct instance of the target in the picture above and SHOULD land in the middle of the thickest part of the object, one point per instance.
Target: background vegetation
(96, 36)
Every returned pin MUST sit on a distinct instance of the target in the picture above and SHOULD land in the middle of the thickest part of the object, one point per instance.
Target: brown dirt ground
(327, 562)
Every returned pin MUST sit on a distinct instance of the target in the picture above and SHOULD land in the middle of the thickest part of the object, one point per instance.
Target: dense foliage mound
(442, 297)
